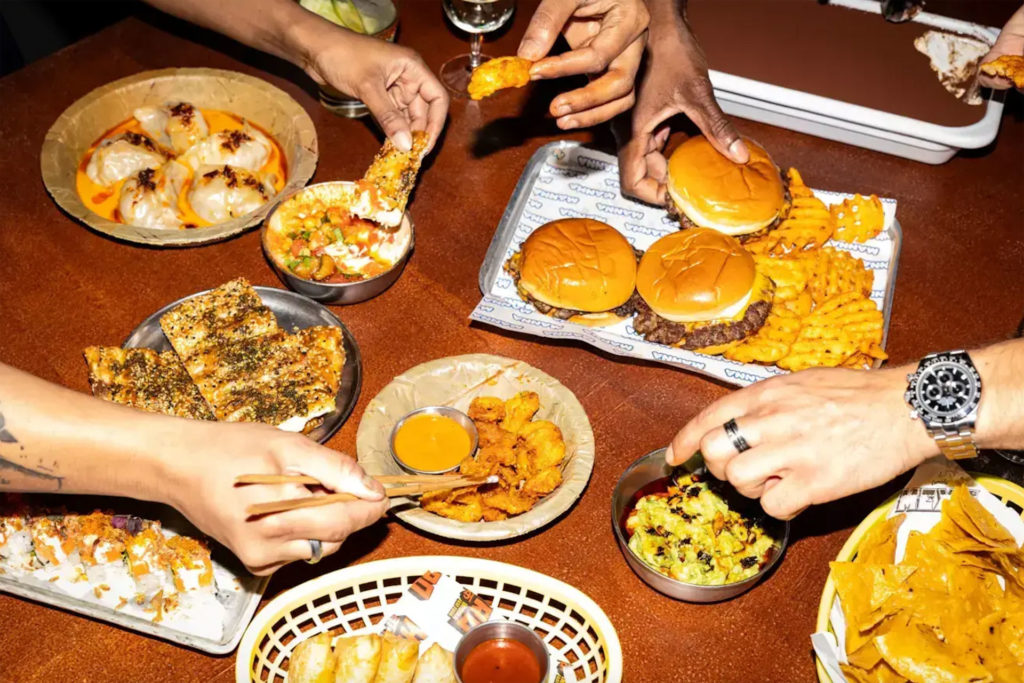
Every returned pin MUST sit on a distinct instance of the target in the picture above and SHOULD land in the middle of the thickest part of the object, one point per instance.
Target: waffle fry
(1007, 66)
(818, 353)
(790, 274)
(807, 225)
(772, 342)
(858, 218)
(834, 272)
(797, 186)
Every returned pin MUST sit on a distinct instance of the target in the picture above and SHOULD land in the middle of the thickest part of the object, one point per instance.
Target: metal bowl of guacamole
(690, 536)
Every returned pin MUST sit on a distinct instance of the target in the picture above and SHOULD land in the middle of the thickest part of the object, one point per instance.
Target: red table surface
(63, 287)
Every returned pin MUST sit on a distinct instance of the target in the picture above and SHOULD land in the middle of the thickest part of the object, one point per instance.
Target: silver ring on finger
(316, 551)
(733, 432)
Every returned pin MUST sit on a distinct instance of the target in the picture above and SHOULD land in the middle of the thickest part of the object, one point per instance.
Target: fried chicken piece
(501, 454)
(519, 410)
(510, 477)
(435, 498)
(498, 74)
(486, 409)
(494, 514)
(1008, 66)
(544, 441)
(524, 465)
(514, 503)
(491, 433)
(543, 482)
(478, 469)
(471, 512)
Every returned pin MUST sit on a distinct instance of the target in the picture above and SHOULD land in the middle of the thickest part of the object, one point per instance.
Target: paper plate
(86, 120)
(456, 381)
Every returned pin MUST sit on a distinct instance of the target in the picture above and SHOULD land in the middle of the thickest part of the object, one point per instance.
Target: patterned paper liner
(579, 182)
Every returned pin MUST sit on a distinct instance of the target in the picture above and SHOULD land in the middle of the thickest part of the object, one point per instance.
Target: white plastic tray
(857, 125)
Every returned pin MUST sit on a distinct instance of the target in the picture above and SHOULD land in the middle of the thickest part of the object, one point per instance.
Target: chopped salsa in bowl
(314, 235)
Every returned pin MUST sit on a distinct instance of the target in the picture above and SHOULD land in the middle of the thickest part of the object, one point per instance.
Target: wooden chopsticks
(405, 487)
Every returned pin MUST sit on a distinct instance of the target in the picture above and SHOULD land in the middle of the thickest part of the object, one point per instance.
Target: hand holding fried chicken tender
(498, 74)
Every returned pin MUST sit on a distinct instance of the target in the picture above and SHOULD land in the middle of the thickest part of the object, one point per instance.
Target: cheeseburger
(577, 269)
(699, 289)
(708, 190)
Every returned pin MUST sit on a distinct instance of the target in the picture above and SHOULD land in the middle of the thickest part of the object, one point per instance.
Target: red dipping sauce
(501, 660)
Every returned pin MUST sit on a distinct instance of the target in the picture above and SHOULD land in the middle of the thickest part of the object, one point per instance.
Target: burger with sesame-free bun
(700, 290)
(577, 269)
(709, 190)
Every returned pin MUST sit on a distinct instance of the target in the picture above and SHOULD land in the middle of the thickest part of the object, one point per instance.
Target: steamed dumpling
(150, 198)
(220, 193)
(247, 148)
(176, 126)
(122, 156)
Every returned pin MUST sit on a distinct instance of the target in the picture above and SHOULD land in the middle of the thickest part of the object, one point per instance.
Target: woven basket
(1009, 493)
(354, 598)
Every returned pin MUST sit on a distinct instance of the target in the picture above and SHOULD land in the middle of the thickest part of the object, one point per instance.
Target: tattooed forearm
(17, 476)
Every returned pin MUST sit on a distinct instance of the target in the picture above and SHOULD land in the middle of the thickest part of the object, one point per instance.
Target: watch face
(948, 391)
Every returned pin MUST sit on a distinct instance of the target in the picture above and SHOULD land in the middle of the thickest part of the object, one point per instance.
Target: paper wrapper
(455, 381)
(90, 117)
(921, 501)
(580, 182)
(437, 609)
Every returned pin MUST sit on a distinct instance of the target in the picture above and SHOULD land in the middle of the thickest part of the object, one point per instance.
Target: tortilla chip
(973, 518)
(864, 591)
(917, 654)
(879, 544)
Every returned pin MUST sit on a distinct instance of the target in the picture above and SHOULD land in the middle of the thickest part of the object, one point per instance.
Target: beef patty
(656, 329)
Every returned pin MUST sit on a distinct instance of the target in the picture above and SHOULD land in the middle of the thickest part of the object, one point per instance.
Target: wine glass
(475, 17)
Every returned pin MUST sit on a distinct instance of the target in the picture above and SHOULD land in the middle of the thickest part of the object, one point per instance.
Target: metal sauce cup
(460, 417)
(652, 467)
(492, 630)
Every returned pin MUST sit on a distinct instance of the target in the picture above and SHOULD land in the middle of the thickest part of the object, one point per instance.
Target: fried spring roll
(397, 659)
(356, 659)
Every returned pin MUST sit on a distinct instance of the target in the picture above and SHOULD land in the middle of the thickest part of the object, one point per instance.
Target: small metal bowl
(335, 292)
(492, 630)
(464, 421)
(650, 468)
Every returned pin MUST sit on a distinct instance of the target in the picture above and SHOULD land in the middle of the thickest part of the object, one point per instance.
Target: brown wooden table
(62, 287)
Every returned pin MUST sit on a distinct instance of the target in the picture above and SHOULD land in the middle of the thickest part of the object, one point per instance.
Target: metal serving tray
(525, 194)
(240, 604)
(293, 312)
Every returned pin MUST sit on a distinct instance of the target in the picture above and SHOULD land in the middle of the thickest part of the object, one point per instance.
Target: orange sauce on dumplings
(103, 200)
(432, 443)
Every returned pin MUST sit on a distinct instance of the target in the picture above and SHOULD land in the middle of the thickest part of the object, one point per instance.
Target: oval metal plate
(293, 312)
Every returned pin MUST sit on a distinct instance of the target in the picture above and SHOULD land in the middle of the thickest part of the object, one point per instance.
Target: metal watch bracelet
(955, 445)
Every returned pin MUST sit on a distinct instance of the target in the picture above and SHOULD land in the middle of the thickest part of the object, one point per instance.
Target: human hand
(1009, 42)
(208, 457)
(398, 88)
(676, 82)
(814, 436)
(607, 38)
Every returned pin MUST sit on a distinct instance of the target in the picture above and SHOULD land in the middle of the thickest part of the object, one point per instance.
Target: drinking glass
(377, 18)
(475, 17)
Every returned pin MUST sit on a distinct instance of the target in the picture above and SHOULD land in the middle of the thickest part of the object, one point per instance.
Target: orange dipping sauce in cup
(432, 443)
(501, 660)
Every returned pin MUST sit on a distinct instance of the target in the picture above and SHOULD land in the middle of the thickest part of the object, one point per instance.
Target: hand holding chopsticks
(395, 486)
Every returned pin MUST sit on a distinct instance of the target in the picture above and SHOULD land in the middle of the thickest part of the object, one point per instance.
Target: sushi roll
(56, 548)
(16, 555)
(103, 550)
(150, 565)
(194, 601)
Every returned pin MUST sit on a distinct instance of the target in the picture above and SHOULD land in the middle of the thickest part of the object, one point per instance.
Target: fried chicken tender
(543, 482)
(519, 410)
(486, 409)
(544, 442)
(476, 468)
(501, 454)
(491, 434)
(513, 503)
(498, 74)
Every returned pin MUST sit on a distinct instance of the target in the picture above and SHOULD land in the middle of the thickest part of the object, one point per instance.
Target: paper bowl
(1006, 491)
(456, 381)
(86, 120)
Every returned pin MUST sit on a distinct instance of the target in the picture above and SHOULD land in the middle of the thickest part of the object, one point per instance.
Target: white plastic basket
(354, 599)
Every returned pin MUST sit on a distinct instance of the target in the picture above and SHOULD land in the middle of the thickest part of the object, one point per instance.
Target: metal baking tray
(504, 236)
(293, 312)
(240, 605)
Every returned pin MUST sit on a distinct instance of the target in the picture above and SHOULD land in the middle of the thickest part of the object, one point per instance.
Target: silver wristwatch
(944, 394)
